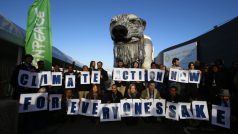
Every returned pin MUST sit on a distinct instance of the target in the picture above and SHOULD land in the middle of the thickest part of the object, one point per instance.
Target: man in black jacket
(27, 66)
(103, 77)
(114, 96)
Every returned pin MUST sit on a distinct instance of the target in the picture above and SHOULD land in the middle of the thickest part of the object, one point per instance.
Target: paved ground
(86, 125)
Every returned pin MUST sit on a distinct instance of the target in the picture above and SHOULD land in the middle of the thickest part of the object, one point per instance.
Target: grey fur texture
(127, 32)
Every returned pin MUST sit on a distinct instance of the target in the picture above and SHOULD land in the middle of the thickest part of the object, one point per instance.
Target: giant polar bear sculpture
(130, 43)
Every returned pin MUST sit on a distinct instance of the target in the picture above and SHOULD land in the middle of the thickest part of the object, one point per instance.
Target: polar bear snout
(119, 33)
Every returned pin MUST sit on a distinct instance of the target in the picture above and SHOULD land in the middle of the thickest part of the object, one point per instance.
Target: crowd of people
(218, 85)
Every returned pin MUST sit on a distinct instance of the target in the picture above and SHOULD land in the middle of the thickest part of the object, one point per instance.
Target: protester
(132, 92)
(92, 66)
(163, 86)
(225, 99)
(103, 76)
(216, 82)
(204, 83)
(114, 96)
(210, 85)
(68, 95)
(83, 89)
(176, 65)
(95, 93)
(139, 84)
(41, 68)
(56, 89)
(27, 66)
(121, 85)
(191, 91)
(173, 95)
(151, 92)
(70, 71)
(153, 65)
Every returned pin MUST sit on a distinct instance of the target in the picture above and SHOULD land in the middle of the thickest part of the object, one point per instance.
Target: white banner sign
(158, 107)
(46, 79)
(172, 111)
(194, 76)
(33, 102)
(126, 107)
(110, 112)
(221, 116)
(70, 81)
(128, 74)
(29, 79)
(173, 74)
(89, 107)
(85, 77)
(200, 111)
(56, 78)
(156, 75)
(96, 77)
(73, 106)
(55, 102)
(185, 76)
(185, 111)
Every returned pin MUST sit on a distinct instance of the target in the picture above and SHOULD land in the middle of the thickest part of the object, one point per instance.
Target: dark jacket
(91, 97)
(14, 80)
(103, 79)
(132, 96)
(114, 98)
(173, 99)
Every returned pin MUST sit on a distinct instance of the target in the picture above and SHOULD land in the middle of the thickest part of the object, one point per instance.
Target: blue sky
(80, 28)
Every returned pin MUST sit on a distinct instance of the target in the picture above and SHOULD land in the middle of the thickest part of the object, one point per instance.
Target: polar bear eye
(113, 21)
(132, 20)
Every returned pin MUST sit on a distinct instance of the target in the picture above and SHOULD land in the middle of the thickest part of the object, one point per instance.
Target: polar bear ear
(143, 22)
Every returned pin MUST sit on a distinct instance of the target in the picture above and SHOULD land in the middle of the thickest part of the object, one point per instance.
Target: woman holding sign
(139, 85)
(83, 89)
(95, 94)
(192, 89)
(132, 92)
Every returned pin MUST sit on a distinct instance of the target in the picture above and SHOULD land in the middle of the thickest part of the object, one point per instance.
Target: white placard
(70, 81)
(172, 111)
(46, 79)
(55, 102)
(194, 76)
(156, 75)
(33, 102)
(95, 79)
(183, 76)
(221, 116)
(110, 112)
(73, 106)
(126, 107)
(85, 77)
(158, 107)
(200, 111)
(185, 111)
(147, 107)
(173, 74)
(57, 78)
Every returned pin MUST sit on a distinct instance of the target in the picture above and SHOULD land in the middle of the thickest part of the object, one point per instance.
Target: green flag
(38, 35)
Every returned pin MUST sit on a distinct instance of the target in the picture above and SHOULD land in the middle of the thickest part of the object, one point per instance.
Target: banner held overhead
(38, 35)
